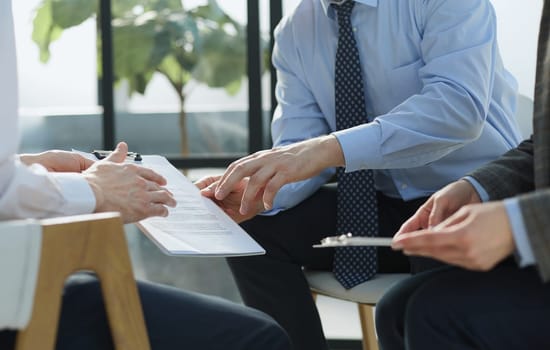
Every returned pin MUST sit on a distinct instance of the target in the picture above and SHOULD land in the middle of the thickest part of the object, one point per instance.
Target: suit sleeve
(534, 209)
(510, 175)
(513, 175)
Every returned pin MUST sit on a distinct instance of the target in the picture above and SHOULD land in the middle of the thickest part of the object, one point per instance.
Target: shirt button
(354, 29)
(404, 186)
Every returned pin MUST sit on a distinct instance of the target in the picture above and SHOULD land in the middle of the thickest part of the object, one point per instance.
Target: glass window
(182, 86)
(57, 87)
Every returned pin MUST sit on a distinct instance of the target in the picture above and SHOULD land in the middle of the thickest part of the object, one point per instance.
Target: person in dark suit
(488, 301)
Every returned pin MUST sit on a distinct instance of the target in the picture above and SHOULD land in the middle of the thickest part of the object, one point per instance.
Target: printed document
(196, 226)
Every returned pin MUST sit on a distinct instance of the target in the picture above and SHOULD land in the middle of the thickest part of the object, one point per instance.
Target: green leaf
(138, 83)
(120, 7)
(234, 87)
(172, 5)
(186, 42)
(212, 12)
(224, 56)
(44, 31)
(171, 69)
(133, 43)
(69, 13)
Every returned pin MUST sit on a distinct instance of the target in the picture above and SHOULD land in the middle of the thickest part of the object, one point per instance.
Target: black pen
(100, 154)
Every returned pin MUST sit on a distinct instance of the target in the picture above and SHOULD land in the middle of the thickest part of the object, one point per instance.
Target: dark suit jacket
(525, 171)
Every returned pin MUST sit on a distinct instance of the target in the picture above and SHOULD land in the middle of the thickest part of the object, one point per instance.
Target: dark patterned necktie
(356, 197)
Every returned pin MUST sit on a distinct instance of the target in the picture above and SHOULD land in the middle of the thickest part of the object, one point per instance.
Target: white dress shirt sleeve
(29, 192)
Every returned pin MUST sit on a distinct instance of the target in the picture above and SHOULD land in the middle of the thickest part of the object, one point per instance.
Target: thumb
(119, 154)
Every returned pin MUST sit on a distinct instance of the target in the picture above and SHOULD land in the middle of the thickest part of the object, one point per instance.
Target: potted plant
(203, 44)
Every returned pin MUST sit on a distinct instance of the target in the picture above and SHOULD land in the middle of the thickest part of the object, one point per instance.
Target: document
(196, 226)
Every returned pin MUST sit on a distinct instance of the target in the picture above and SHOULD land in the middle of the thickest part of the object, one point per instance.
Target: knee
(258, 330)
(428, 320)
(83, 287)
(389, 319)
(272, 337)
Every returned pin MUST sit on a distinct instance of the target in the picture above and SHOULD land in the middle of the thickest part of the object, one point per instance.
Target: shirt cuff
(483, 195)
(524, 252)
(360, 146)
(77, 193)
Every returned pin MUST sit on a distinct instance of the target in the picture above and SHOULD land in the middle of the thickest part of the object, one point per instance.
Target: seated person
(62, 183)
(489, 300)
(394, 99)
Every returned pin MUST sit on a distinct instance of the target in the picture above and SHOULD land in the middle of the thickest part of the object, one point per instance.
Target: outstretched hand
(134, 191)
(232, 202)
(268, 171)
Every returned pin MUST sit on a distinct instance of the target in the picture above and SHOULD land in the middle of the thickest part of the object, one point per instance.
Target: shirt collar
(326, 3)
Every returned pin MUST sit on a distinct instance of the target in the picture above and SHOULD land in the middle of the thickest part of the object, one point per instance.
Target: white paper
(196, 226)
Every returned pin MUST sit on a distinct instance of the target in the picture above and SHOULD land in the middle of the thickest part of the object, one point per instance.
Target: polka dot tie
(356, 196)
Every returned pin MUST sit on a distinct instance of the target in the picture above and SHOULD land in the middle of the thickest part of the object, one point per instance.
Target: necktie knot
(344, 10)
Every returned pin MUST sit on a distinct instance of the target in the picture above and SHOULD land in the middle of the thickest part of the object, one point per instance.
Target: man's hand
(130, 189)
(440, 206)
(232, 202)
(267, 171)
(476, 237)
(58, 161)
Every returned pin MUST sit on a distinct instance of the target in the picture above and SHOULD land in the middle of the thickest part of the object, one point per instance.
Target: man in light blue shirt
(439, 103)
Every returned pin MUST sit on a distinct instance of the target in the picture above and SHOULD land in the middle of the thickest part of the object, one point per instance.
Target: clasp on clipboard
(336, 239)
(349, 240)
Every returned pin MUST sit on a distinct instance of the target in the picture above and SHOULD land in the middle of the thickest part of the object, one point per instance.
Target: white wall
(518, 27)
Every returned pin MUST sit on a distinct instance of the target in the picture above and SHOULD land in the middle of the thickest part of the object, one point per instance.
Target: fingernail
(267, 206)
(244, 209)
(220, 194)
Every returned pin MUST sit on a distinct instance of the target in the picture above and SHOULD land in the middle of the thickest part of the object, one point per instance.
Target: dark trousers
(506, 308)
(174, 320)
(275, 283)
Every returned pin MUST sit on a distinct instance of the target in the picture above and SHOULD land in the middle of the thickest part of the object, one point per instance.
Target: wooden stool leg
(99, 245)
(42, 329)
(121, 297)
(368, 327)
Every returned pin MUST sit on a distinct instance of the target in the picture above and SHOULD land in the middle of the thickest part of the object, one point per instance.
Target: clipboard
(197, 226)
(349, 240)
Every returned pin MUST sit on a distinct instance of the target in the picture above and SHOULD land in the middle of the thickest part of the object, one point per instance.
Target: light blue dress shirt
(439, 100)
(524, 251)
